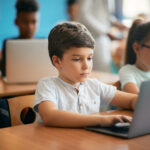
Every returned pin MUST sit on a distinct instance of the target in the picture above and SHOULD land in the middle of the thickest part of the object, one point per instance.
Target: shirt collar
(70, 85)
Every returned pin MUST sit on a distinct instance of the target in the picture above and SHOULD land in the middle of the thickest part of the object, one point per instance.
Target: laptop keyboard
(122, 124)
(117, 129)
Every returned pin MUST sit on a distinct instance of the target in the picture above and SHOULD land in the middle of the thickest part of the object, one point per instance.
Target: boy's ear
(136, 47)
(56, 61)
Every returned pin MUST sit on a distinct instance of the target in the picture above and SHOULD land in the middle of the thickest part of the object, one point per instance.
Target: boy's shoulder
(10, 38)
(48, 80)
(96, 85)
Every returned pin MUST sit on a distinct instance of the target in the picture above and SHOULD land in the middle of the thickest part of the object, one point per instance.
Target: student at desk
(27, 20)
(72, 9)
(137, 59)
(72, 99)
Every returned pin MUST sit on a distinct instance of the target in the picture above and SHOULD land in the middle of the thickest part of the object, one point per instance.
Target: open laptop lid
(141, 120)
(27, 61)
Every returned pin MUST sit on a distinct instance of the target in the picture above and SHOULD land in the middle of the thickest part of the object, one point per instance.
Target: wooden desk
(104, 77)
(22, 89)
(7, 90)
(38, 137)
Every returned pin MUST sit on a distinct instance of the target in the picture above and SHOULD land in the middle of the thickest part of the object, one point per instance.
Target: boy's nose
(85, 65)
(30, 26)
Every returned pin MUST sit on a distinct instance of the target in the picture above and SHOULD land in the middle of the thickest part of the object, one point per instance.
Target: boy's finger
(127, 119)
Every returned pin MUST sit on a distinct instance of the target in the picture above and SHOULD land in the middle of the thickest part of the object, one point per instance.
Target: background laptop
(141, 119)
(27, 61)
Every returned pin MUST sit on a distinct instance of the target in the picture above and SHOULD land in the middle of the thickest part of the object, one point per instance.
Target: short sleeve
(126, 76)
(106, 91)
(46, 91)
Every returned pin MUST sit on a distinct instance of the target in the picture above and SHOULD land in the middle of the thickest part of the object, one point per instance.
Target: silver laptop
(141, 119)
(27, 61)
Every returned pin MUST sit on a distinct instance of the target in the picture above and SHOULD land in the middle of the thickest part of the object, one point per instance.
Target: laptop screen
(28, 60)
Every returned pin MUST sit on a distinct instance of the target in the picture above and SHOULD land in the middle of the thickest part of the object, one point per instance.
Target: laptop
(27, 61)
(140, 124)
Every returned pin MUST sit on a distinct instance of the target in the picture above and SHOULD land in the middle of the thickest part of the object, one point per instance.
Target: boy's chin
(83, 80)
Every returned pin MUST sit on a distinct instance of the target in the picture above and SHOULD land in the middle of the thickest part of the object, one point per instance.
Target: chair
(16, 105)
(117, 84)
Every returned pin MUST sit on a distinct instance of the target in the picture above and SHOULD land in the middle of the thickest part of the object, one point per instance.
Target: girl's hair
(139, 32)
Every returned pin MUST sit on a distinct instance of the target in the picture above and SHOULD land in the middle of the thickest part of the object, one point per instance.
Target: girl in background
(137, 57)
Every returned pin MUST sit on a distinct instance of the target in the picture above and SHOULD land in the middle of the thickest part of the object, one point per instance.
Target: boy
(27, 20)
(71, 99)
(72, 9)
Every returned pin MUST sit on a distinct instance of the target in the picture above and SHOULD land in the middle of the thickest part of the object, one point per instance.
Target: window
(131, 8)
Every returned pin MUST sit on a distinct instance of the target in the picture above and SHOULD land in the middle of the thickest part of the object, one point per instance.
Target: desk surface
(22, 89)
(15, 89)
(38, 137)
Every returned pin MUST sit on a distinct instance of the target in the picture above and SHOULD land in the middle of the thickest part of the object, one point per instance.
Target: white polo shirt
(65, 96)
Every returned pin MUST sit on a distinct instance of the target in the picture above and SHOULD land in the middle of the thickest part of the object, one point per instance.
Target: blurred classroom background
(54, 11)
(51, 12)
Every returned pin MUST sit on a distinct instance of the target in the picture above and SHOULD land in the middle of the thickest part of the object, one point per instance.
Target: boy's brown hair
(66, 35)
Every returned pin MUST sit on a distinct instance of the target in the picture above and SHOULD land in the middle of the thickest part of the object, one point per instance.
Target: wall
(51, 12)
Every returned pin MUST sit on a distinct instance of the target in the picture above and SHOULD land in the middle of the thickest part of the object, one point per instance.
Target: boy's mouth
(84, 74)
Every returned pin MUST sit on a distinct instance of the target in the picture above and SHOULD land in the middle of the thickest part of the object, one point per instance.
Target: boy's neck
(22, 37)
(76, 85)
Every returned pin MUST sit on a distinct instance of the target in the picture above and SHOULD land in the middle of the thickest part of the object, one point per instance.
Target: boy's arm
(51, 116)
(131, 88)
(124, 100)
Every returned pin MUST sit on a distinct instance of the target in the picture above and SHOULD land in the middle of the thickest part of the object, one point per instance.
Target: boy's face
(73, 11)
(27, 23)
(76, 65)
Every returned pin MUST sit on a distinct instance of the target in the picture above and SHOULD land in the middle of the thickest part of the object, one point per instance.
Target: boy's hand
(110, 120)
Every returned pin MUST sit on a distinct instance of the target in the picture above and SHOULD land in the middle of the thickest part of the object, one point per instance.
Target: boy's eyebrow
(81, 55)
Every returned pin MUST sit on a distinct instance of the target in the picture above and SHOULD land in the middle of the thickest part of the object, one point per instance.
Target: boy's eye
(76, 59)
(90, 58)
